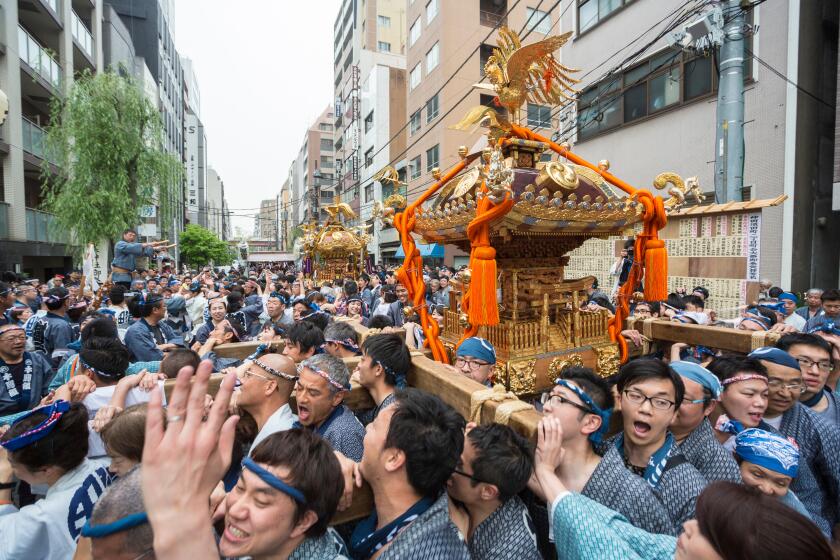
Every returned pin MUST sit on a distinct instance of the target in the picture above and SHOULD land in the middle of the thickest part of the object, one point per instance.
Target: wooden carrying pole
(722, 338)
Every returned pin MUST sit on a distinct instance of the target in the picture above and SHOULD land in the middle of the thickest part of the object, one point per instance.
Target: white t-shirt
(775, 422)
(280, 421)
(101, 397)
(796, 321)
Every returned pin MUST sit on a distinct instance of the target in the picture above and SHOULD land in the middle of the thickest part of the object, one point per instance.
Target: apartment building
(658, 113)
(44, 44)
(218, 214)
(441, 36)
(265, 222)
(285, 214)
(149, 23)
(367, 33)
(312, 175)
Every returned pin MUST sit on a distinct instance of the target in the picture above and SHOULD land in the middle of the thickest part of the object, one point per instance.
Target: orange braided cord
(654, 219)
(483, 281)
(410, 274)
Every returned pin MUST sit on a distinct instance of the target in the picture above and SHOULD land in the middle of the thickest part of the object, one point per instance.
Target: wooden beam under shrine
(723, 338)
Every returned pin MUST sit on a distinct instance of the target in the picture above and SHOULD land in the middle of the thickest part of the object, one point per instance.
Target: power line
(788, 80)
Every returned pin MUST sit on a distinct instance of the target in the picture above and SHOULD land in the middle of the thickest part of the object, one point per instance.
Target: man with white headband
(320, 391)
(24, 376)
(692, 429)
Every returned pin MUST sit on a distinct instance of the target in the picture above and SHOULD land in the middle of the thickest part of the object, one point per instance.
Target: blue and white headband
(274, 481)
(699, 374)
(768, 450)
(594, 437)
(122, 524)
(346, 342)
(54, 413)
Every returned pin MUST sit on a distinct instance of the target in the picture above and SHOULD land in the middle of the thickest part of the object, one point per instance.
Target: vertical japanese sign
(191, 126)
(753, 240)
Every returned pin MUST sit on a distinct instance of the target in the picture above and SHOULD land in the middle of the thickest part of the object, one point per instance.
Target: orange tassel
(547, 77)
(483, 308)
(656, 270)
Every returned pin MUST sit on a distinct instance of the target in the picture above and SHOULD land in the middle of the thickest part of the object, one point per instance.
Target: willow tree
(107, 140)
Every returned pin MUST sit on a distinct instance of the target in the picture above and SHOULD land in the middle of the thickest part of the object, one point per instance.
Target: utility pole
(729, 140)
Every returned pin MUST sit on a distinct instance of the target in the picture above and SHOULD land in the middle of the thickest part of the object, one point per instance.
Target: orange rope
(410, 274)
(651, 260)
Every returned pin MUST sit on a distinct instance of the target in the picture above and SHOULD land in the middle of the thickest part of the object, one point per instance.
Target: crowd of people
(688, 452)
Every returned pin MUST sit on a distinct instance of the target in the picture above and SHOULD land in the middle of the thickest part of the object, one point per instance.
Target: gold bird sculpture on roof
(388, 175)
(530, 73)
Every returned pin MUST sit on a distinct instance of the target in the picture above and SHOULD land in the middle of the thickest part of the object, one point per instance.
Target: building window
(369, 157)
(485, 52)
(326, 126)
(538, 21)
(369, 192)
(414, 77)
(590, 12)
(326, 163)
(431, 11)
(666, 80)
(414, 168)
(432, 108)
(383, 21)
(382, 46)
(433, 157)
(414, 123)
(414, 33)
(432, 58)
(326, 145)
(539, 115)
(369, 121)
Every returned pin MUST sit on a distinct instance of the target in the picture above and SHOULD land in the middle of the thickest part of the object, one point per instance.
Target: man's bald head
(285, 366)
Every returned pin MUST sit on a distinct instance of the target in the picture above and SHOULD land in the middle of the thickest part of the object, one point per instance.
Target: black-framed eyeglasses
(554, 399)
(638, 399)
(473, 365)
(468, 475)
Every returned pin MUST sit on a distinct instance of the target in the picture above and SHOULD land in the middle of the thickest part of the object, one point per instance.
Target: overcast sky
(265, 73)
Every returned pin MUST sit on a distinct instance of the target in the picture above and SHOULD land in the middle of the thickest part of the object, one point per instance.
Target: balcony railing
(33, 138)
(491, 19)
(37, 58)
(4, 220)
(81, 34)
(39, 226)
(53, 4)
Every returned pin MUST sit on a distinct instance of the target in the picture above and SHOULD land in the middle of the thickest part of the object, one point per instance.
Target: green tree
(200, 246)
(106, 138)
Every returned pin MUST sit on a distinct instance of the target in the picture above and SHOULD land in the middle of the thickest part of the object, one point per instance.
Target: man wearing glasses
(476, 358)
(494, 467)
(818, 482)
(25, 376)
(265, 387)
(814, 356)
(692, 429)
(583, 402)
(651, 394)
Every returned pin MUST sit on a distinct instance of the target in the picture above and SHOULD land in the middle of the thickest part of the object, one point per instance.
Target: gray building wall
(682, 139)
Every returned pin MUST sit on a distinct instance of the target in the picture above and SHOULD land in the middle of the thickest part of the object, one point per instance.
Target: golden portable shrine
(332, 251)
(519, 217)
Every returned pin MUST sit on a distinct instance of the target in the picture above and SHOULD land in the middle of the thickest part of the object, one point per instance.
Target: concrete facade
(218, 220)
(366, 34)
(312, 173)
(785, 131)
(44, 45)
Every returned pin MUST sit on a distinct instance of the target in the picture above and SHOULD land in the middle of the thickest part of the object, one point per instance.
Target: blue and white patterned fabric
(768, 450)
(328, 546)
(818, 482)
(369, 415)
(507, 533)
(704, 451)
(345, 434)
(432, 536)
(585, 529)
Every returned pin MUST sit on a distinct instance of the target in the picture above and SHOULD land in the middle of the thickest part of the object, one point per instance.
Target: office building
(45, 43)
(441, 35)
(311, 175)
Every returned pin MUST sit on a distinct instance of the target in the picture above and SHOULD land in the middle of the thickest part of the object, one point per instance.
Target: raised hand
(184, 463)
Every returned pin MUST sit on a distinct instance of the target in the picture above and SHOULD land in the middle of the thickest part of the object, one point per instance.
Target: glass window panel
(635, 102)
(638, 73)
(587, 15)
(665, 59)
(665, 90)
(610, 112)
(698, 77)
(607, 6)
